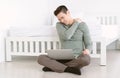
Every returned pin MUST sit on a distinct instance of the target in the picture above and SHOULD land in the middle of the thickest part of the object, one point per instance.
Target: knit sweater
(75, 37)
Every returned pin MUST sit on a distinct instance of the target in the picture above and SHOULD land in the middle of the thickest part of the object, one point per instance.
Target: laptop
(61, 54)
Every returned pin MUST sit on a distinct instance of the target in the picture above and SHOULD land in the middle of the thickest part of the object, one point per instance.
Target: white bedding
(108, 32)
(43, 30)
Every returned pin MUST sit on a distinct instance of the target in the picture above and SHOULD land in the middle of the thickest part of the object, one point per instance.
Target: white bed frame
(34, 46)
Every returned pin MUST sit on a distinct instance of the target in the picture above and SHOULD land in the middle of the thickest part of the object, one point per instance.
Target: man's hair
(59, 9)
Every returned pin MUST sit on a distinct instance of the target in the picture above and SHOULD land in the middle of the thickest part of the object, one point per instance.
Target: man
(73, 34)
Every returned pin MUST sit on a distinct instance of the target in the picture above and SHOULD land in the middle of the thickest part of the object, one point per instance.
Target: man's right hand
(78, 20)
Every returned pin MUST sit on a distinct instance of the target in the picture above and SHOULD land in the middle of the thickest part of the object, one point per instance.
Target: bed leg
(8, 57)
(103, 54)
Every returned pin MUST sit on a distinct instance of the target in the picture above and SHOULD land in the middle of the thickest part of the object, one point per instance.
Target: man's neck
(71, 21)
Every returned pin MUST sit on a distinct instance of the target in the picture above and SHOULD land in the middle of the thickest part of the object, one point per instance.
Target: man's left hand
(86, 51)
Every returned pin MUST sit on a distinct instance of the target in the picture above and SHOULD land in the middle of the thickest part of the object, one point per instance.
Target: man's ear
(68, 13)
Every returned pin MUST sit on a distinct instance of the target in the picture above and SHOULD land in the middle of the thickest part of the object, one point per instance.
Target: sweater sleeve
(86, 36)
(64, 33)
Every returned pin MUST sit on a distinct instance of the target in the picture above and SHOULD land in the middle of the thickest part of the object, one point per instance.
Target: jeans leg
(81, 61)
(51, 63)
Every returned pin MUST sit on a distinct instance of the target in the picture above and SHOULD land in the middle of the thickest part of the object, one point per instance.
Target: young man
(73, 34)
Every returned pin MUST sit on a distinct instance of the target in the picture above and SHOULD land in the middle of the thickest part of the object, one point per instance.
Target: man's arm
(66, 33)
(86, 38)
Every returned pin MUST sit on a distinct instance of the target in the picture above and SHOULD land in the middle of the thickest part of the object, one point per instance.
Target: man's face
(64, 17)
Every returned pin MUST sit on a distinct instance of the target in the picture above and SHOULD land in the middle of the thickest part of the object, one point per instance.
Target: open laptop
(61, 54)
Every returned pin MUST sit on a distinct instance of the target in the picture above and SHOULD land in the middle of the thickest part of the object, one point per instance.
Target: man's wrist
(86, 51)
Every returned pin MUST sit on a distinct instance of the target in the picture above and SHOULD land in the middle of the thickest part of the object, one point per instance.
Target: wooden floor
(27, 67)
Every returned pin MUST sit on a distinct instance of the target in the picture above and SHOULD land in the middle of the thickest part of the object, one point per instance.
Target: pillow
(43, 30)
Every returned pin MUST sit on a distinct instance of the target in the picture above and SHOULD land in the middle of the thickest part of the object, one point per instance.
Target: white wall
(88, 5)
(37, 12)
(23, 13)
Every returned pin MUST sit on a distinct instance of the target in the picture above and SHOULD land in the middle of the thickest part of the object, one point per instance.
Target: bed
(34, 42)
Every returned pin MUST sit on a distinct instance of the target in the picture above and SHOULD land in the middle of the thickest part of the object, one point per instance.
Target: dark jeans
(60, 65)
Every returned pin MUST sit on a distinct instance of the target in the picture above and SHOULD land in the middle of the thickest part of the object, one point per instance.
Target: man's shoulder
(82, 26)
(59, 24)
(78, 20)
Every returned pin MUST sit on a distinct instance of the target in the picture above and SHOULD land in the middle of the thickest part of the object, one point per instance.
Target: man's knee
(41, 58)
(85, 60)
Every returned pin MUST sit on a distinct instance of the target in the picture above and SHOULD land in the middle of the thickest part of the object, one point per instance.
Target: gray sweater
(76, 37)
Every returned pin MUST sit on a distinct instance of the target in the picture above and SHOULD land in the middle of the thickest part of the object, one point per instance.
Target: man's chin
(64, 23)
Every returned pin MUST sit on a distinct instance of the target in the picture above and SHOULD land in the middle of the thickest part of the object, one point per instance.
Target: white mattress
(44, 30)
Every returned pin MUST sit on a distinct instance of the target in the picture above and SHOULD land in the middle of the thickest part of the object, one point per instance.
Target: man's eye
(62, 17)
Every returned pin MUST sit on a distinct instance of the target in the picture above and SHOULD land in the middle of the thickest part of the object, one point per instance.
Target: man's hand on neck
(71, 22)
(78, 20)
